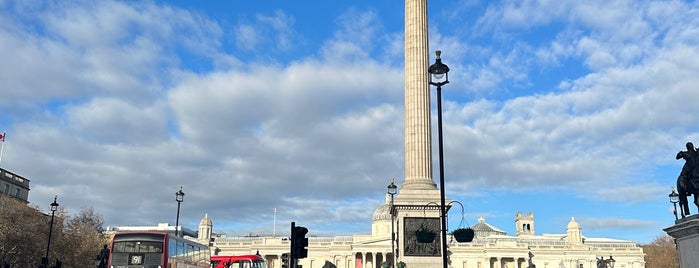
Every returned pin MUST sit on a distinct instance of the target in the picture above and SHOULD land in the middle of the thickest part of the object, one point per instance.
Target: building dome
(381, 221)
(206, 221)
(483, 229)
(383, 212)
(573, 224)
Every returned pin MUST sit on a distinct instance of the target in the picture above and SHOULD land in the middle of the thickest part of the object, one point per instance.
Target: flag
(2, 137)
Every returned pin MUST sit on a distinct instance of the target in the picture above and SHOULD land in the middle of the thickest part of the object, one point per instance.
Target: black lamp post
(608, 263)
(54, 207)
(179, 197)
(392, 190)
(674, 199)
(439, 76)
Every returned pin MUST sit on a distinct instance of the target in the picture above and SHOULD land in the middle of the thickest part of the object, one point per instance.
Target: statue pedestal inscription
(686, 234)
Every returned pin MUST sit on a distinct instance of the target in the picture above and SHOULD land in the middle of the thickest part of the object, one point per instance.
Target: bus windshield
(248, 264)
(137, 247)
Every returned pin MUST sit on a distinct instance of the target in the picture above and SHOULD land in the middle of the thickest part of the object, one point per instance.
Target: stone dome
(383, 212)
(483, 229)
(573, 224)
(206, 221)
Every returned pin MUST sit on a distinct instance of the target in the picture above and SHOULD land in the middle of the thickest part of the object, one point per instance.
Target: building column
(375, 261)
(364, 262)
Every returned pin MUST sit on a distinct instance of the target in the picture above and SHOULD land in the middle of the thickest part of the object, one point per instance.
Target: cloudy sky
(562, 108)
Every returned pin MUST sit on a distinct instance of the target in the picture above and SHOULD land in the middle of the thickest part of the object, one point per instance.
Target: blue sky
(562, 108)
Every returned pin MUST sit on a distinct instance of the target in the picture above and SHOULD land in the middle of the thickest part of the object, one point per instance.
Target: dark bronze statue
(688, 180)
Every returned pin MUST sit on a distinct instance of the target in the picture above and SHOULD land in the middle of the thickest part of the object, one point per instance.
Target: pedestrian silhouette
(104, 256)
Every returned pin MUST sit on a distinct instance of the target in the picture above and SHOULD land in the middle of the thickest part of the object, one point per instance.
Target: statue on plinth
(688, 180)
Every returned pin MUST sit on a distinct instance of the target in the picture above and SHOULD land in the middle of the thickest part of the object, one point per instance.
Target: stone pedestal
(411, 251)
(686, 234)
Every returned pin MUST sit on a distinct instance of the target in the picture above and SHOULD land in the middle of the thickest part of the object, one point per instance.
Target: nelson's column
(418, 201)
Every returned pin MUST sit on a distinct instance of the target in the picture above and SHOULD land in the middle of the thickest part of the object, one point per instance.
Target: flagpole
(274, 229)
(2, 150)
(2, 147)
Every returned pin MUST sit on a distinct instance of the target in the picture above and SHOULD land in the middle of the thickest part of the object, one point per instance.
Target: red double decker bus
(156, 250)
(238, 261)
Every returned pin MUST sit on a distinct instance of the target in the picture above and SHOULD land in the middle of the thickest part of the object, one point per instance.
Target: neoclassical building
(491, 247)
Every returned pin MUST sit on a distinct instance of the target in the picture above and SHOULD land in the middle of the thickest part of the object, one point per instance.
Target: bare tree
(82, 239)
(24, 231)
(661, 253)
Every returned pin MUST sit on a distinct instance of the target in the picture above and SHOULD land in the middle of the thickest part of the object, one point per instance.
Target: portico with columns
(492, 248)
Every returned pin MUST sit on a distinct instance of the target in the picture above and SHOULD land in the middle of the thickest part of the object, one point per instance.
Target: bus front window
(259, 264)
(137, 247)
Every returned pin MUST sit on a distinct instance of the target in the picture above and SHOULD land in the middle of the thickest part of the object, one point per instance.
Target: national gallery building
(491, 247)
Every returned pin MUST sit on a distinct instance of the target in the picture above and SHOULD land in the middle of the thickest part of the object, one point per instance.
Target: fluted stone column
(418, 187)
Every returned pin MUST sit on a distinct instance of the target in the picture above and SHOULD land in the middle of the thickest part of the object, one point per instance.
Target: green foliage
(463, 234)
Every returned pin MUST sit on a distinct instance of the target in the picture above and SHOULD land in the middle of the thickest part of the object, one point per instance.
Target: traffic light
(299, 242)
(285, 260)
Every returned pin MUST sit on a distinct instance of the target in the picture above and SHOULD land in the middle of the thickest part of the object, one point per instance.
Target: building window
(17, 192)
(7, 189)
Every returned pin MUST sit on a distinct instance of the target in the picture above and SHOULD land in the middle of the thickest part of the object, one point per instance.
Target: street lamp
(392, 190)
(439, 76)
(179, 197)
(608, 263)
(674, 199)
(54, 207)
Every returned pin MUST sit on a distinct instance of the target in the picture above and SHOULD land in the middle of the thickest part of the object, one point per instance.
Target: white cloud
(115, 121)
(613, 223)
(128, 118)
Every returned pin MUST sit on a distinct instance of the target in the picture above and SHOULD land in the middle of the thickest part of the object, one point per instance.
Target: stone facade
(492, 247)
(14, 185)
(686, 235)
